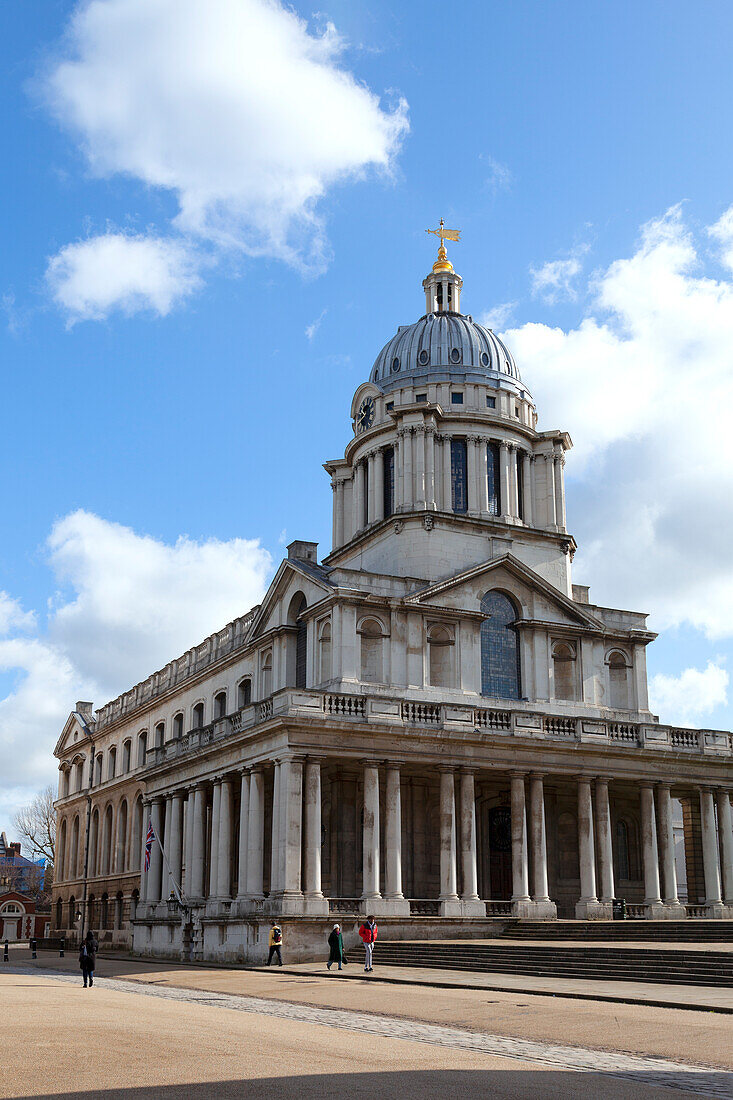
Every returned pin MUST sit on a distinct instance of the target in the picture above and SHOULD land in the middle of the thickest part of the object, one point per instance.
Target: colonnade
(531, 487)
(296, 842)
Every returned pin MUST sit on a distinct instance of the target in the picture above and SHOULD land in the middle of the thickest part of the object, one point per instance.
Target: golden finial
(443, 263)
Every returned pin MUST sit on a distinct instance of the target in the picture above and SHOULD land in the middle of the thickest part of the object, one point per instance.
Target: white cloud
(645, 387)
(313, 327)
(127, 604)
(239, 111)
(91, 278)
(722, 232)
(685, 699)
(554, 280)
(498, 316)
(12, 615)
(498, 175)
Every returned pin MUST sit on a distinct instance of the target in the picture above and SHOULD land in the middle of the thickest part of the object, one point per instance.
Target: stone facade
(432, 724)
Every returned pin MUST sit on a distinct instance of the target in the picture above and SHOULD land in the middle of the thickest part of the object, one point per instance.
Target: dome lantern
(443, 286)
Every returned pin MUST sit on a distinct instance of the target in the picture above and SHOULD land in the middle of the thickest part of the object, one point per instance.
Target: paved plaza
(156, 1030)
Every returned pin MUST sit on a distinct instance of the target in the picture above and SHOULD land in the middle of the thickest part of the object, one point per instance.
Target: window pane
(499, 648)
(459, 479)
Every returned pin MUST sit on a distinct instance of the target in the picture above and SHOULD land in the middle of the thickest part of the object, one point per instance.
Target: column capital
(394, 763)
(586, 778)
(537, 775)
(516, 774)
(466, 769)
(447, 769)
(315, 758)
(244, 771)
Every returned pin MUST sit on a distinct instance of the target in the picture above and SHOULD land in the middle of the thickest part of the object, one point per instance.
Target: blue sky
(182, 333)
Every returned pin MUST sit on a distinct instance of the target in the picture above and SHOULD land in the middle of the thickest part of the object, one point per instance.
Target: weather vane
(445, 234)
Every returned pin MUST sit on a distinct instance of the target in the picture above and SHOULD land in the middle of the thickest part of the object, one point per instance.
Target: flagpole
(174, 884)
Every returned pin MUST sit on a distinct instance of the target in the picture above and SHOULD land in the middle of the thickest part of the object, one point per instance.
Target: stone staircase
(657, 931)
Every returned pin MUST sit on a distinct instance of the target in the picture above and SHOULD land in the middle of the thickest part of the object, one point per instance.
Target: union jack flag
(149, 844)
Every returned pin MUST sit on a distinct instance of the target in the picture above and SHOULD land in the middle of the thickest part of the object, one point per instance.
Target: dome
(444, 346)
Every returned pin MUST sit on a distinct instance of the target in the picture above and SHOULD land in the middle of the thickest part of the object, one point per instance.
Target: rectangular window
(516, 410)
(389, 406)
(421, 398)
(456, 398)
(492, 465)
(459, 478)
(388, 460)
(490, 402)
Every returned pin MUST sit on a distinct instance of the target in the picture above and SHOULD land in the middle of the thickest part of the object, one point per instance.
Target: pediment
(292, 577)
(73, 734)
(538, 599)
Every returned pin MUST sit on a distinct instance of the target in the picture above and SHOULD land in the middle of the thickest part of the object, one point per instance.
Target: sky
(213, 217)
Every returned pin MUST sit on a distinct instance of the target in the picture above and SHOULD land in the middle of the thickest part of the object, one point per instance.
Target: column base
(718, 911)
(315, 906)
(473, 907)
(543, 909)
(593, 909)
(522, 907)
(673, 910)
(450, 907)
(386, 907)
(287, 905)
(655, 910)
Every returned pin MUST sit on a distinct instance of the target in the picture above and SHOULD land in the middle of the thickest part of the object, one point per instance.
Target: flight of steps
(657, 931)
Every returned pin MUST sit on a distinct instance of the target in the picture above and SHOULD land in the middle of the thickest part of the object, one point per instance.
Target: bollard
(61, 952)
(5, 952)
(33, 950)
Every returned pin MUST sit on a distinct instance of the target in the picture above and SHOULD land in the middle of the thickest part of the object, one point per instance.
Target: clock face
(365, 415)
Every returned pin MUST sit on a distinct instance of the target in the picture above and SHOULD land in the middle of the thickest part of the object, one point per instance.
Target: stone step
(697, 931)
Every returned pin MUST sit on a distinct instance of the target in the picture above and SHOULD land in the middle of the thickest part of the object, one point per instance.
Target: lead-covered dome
(444, 345)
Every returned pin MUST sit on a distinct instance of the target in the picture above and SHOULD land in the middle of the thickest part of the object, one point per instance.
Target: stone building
(433, 723)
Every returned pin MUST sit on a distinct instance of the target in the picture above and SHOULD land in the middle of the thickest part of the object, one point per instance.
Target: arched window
(62, 851)
(142, 748)
(266, 674)
(137, 836)
(244, 692)
(178, 724)
(563, 669)
(79, 785)
(118, 910)
(63, 783)
(119, 866)
(618, 674)
(59, 914)
(324, 652)
(98, 770)
(72, 912)
(297, 649)
(92, 912)
(126, 755)
(74, 855)
(134, 899)
(106, 861)
(197, 715)
(220, 704)
(93, 843)
(372, 646)
(568, 858)
(499, 647)
(623, 862)
(104, 914)
(111, 762)
(440, 652)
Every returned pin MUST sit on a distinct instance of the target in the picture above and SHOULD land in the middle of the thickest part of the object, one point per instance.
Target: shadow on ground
(437, 1084)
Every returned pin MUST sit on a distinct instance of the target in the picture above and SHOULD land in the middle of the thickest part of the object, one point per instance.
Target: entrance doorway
(500, 853)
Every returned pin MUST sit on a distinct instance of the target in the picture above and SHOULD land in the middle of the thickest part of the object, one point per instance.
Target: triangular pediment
(537, 598)
(74, 733)
(291, 577)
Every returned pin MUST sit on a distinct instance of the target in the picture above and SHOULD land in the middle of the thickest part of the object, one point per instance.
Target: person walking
(336, 948)
(88, 958)
(276, 939)
(368, 933)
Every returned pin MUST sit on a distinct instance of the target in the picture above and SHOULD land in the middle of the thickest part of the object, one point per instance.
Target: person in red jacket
(368, 933)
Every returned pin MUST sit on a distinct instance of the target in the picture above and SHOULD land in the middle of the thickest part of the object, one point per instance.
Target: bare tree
(36, 825)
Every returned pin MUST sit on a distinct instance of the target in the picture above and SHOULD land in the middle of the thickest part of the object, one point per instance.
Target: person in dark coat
(88, 958)
(336, 948)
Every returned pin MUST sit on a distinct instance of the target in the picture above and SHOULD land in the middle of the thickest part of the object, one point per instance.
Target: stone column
(447, 471)
(504, 477)
(275, 884)
(419, 452)
(650, 855)
(450, 906)
(358, 498)
(482, 473)
(214, 839)
(165, 888)
(408, 487)
(143, 843)
(725, 828)
(315, 903)
(533, 487)
(587, 907)
(378, 485)
(541, 904)
(713, 900)
(255, 833)
(196, 888)
(243, 838)
(394, 900)
(550, 490)
(527, 489)
(291, 796)
(224, 859)
(188, 842)
(334, 522)
(174, 838)
(559, 491)
(371, 482)
(666, 845)
(514, 480)
(520, 870)
(605, 849)
(471, 905)
(430, 493)
(371, 833)
(399, 470)
(339, 486)
(154, 878)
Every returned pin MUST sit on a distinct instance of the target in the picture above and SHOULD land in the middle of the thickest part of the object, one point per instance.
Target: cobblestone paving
(701, 1080)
